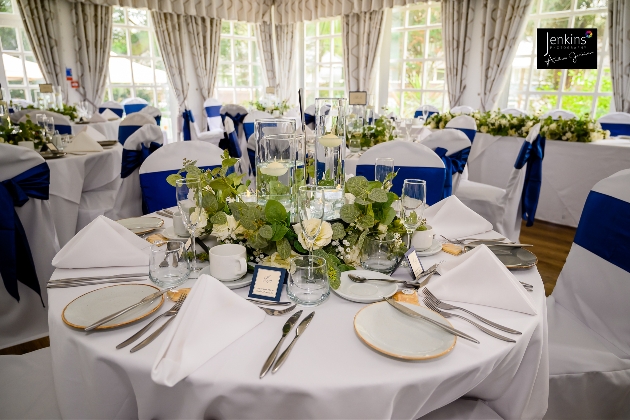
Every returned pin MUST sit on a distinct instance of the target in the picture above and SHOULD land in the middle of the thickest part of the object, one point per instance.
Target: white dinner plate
(368, 292)
(246, 280)
(97, 304)
(140, 225)
(395, 334)
(169, 232)
(435, 247)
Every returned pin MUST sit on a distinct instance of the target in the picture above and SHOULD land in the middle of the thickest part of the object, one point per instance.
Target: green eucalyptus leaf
(219, 218)
(349, 213)
(266, 232)
(362, 201)
(172, 179)
(279, 231)
(284, 248)
(357, 185)
(365, 221)
(338, 231)
(389, 215)
(275, 212)
(379, 195)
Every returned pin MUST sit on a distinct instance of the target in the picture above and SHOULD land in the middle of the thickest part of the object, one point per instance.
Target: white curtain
(457, 22)
(292, 11)
(204, 35)
(502, 25)
(92, 42)
(285, 39)
(361, 36)
(619, 30)
(264, 36)
(39, 18)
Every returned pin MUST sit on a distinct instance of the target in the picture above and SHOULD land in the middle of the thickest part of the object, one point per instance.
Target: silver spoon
(360, 279)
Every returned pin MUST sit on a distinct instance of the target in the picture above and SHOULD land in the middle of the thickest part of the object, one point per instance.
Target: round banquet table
(331, 373)
(82, 187)
(108, 128)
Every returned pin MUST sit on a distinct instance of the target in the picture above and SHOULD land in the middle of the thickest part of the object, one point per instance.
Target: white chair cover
(152, 111)
(515, 112)
(309, 116)
(499, 206)
(618, 123)
(212, 108)
(464, 123)
(129, 198)
(22, 102)
(430, 111)
(212, 137)
(132, 105)
(588, 311)
(27, 319)
(17, 115)
(114, 106)
(62, 123)
(462, 109)
(131, 123)
(558, 113)
(454, 141)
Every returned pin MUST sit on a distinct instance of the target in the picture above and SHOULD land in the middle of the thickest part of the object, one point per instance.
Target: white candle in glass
(274, 169)
(248, 197)
(330, 140)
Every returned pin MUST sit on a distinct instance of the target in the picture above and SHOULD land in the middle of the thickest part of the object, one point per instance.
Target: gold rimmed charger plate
(97, 304)
(50, 155)
(141, 225)
(389, 331)
(107, 143)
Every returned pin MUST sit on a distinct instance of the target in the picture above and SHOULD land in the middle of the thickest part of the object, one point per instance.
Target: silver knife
(288, 326)
(108, 318)
(300, 329)
(152, 337)
(415, 314)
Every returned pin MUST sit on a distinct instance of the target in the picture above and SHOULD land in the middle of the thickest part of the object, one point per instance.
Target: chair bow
(616, 129)
(309, 120)
(17, 263)
(132, 159)
(454, 163)
(531, 154)
(188, 117)
(117, 111)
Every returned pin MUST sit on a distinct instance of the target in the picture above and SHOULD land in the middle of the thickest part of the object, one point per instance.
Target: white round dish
(368, 292)
(435, 247)
(246, 280)
(169, 232)
(395, 334)
(97, 304)
(140, 225)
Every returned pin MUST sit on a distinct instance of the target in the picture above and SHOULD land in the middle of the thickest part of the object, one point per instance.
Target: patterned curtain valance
(291, 11)
(244, 10)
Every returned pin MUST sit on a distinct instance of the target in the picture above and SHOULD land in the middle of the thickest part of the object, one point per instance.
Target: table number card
(45, 88)
(267, 283)
(358, 98)
(415, 266)
(270, 90)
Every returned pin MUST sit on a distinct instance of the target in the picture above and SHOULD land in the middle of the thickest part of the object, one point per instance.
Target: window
(136, 68)
(579, 91)
(240, 77)
(323, 60)
(20, 67)
(416, 60)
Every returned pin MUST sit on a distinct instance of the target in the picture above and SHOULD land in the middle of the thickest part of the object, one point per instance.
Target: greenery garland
(24, 131)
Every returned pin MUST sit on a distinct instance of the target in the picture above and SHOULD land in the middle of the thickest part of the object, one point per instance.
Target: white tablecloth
(109, 128)
(330, 373)
(92, 177)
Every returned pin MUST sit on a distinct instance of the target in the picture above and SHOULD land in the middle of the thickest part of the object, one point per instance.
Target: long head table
(330, 374)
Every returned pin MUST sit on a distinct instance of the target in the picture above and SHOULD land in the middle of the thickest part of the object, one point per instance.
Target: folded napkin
(451, 218)
(109, 115)
(419, 133)
(211, 319)
(479, 277)
(103, 243)
(93, 133)
(97, 118)
(82, 142)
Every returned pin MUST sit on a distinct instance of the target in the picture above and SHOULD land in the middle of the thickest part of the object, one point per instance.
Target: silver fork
(174, 309)
(445, 306)
(431, 306)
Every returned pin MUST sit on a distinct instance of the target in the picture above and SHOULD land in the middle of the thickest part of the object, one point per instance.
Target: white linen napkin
(453, 219)
(93, 133)
(103, 243)
(97, 118)
(211, 319)
(109, 115)
(82, 142)
(419, 133)
(479, 277)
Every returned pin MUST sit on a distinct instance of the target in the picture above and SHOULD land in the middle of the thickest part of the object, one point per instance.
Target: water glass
(355, 143)
(308, 281)
(311, 209)
(379, 254)
(414, 195)
(189, 201)
(50, 126)
(168, 266)
(382, 168)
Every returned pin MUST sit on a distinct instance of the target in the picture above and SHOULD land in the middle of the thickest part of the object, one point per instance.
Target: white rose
(529, 124)
(441, 125)
(322, 239)
(483, 129)
(606, 134)
(382, 228)
(553, 126)
(222, 232)
(432, 124)
(349, 198)
(274, 260)
(200, 218)
(590, 126)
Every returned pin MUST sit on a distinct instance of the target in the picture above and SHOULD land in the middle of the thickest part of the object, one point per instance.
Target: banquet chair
(618, 123)
(557, 114)
(131, 124)
(152, 111)
(26, 227)
(113, 106)
(212, 108)
(309, 116)
(213, 137)
(158, 194)
(464, 123)
(62, 123)
(430, 111)
(588, 312)
(132, 105)
(136, 150)
(462, 109)
(453, 147)
(515, 112)
(503, 206)
(411, 161)
(248, 127)
(22, 102)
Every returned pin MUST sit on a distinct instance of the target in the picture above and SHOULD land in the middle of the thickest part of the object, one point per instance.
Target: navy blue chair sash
(252, 160)
(158, 119)
(124, 131)
(470, 133)
(233, 147)
(63, 129)
(213, 111)
(17, 262)
(236, 119)
(531, 154)
(248, 127)
(419, 114)
(132, 159)
(433, 176)
(454, 163)
(131, 108)
(617, 129)
(309, 121)
(117, 111)
(188, 119)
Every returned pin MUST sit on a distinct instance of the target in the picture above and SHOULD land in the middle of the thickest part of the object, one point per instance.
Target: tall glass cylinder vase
(330, 151)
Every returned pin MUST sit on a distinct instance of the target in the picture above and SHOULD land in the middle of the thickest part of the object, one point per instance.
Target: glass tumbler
(168, 265)
(379, 254)
(308, 281)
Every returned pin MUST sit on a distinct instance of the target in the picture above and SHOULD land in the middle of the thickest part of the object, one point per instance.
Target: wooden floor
(551, 246)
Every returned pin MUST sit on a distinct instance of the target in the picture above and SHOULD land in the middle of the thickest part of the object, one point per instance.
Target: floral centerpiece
(270, 237)
(380, 132)
(267, 104)
(69, 111)
(24, 131)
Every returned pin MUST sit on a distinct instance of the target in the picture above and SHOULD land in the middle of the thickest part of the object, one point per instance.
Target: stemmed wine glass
(310, 200)
(414, 193)
(50, 127)
(382, 168)
(189, 201)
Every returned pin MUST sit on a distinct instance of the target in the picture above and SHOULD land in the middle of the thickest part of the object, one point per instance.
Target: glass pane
(324, 50)
(582, 80)
(606, 80)
(225, 29)
(8, 37)
(17, 93)
(242, 75)
(138, 17)
(240, 50)
(323, 75)
(13, 69)
(393, 102)
(413, 75)
(555, 22)
(160, 73)
(323, 94)
(257, 76)
(225, 75)
(411, 102)
(578, 104)
(520, 74)
(311, 28)
(33, 72)
(590, 4)
(156, 47)
(337, 26)
(526, 44)
(415, 44)
(434, 98)
(119, 71)
(542, 103)
(547, 80)
(397, 18)
(417, 17)
(139, 42)
(119, 94)
(338, 50)
(435, 43)
(309, 75)
(310, 97)
(243, 96)
(338, 93)
(516, 101)
(594, 21)
(119, 41)
(225, 52)
(241, 29)
(535, 8)
(25, 44)
(146, 94)
(254, 49)
(106, 95)
(434, 75)
(142, 71)
(118, 15)
(337, 76)
(324, 28)
(6, 6)
(162, 103)
(225, 95)
(395, 75)
(309, 50)
(555, 6)
(603, 106)
(396, 46)
(435, 14)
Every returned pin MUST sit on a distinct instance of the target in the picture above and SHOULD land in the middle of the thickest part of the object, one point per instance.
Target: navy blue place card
(267, 283)
(415, 266)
